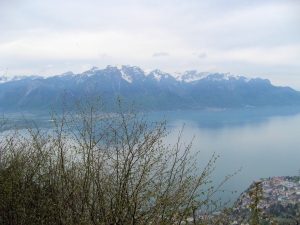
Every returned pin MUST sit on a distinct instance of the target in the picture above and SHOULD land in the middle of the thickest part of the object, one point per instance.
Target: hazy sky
(253, 38)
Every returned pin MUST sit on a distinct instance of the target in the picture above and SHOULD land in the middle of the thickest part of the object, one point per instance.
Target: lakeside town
(279, 200)
(285, 190)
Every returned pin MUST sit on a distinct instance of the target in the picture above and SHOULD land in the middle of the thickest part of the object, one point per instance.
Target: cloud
(85, 67)
(158, 54)
(242, 37)
(202, 55)
(103, 55)
(45, 68)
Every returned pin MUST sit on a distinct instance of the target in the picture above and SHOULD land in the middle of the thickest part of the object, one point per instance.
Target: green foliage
(288, 212)
(256, 195)
(97, 167)
(249, 208)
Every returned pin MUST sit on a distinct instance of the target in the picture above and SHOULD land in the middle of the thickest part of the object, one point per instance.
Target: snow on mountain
(158, 75)
(69, 73)
(4, 80)
(227, 77)
(147, 71)
(190, 76)
(118, 66)
(134, 73)
(94, 69)
(91, 72)
(129, 73)
(126, 77)
(177, 75)
(155, 89)
(17, 78)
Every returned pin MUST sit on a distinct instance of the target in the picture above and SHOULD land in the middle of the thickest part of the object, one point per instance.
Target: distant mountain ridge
(154, 90)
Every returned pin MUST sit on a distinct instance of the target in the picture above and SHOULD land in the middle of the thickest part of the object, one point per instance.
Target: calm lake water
(263, 142)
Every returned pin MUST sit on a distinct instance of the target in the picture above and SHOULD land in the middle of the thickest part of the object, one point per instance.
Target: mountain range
(153, 90)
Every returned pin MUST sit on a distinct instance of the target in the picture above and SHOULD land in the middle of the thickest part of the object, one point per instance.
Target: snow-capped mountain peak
(177, 75)
(227, 77)
(127, 71)
(157, 89)
(69, 73)
(158, 75)
(94, 69)
(126, 77)
(117, 66)
(91, 72)
(190, 76)
(17, 78)
(147, 71)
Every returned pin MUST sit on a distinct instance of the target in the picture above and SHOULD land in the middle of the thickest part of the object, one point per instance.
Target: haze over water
(264, 142)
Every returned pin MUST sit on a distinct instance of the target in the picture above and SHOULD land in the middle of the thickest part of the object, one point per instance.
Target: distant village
(281, 199)
(285, 190)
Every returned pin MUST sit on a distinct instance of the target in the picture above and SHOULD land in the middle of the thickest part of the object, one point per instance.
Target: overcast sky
(253, 38)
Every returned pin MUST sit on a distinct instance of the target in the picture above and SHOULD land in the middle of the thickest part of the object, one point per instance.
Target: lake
(263, 142)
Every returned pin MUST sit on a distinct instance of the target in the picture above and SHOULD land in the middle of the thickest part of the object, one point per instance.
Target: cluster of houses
(276, 189)
(283, 190)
